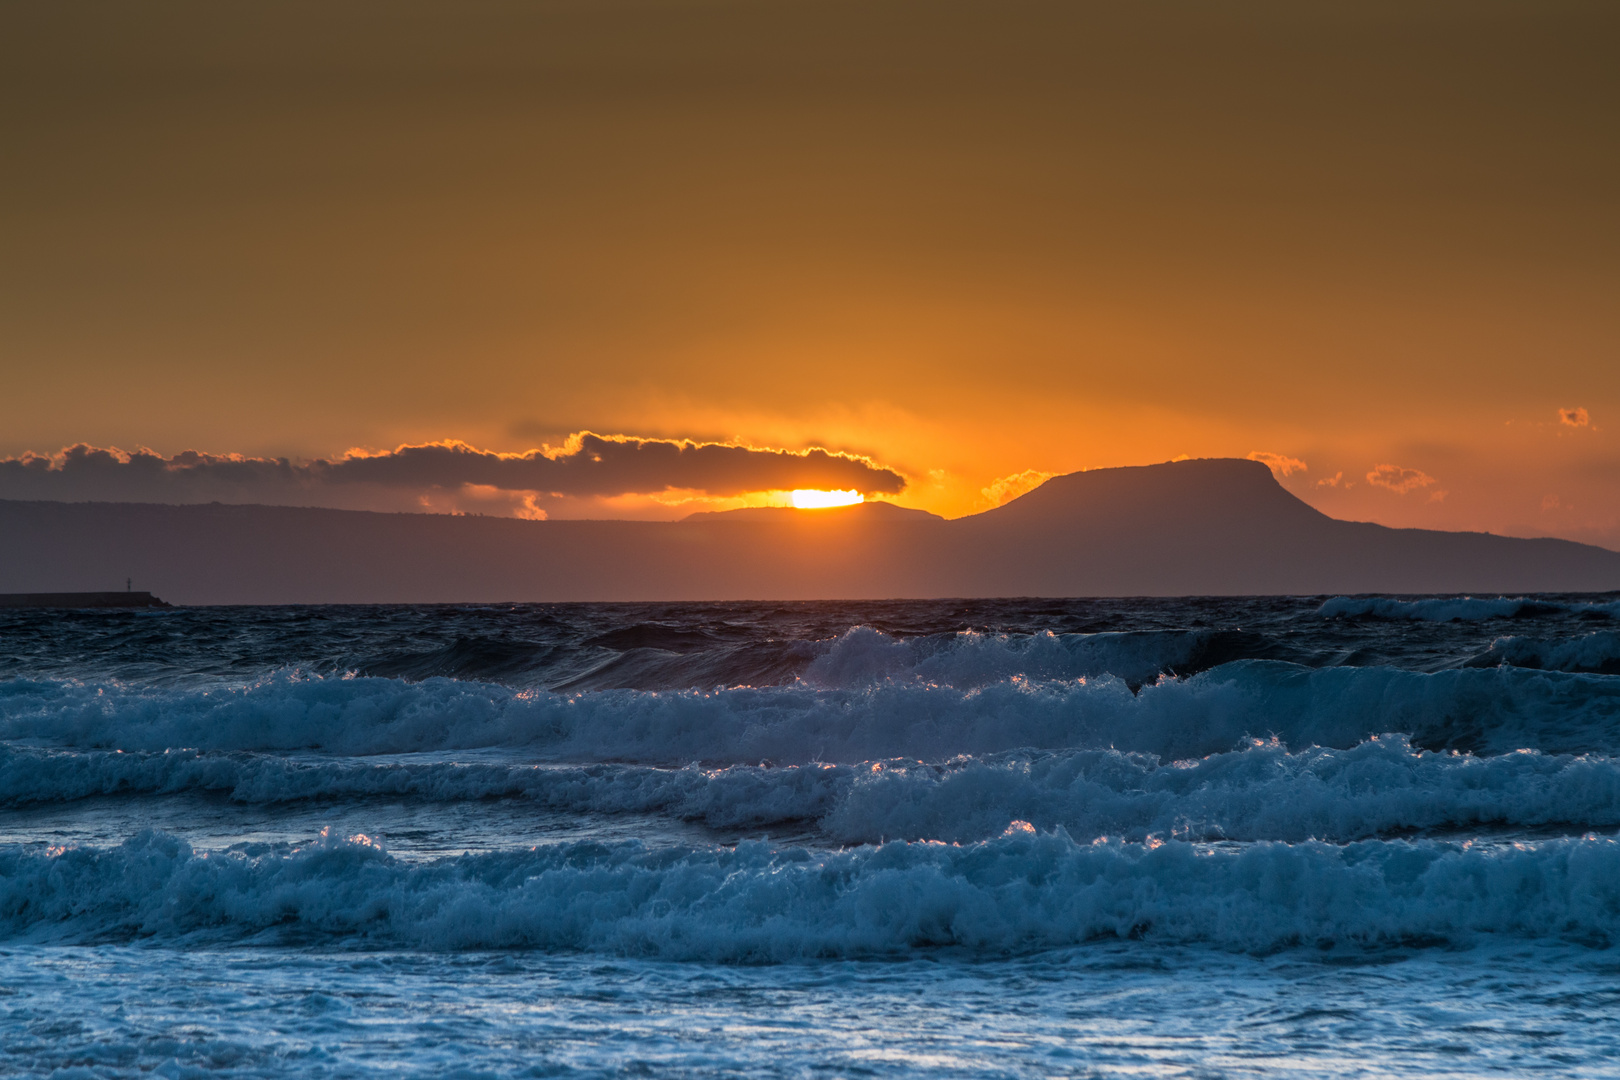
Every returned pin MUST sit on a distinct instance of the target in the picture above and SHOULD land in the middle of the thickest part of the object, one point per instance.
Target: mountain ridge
(1197, 527)
(872, 508)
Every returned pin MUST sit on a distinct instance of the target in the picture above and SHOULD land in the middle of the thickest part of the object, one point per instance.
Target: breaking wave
(1260, 792)
(649, 656)
(1482, 710)
(971, 659)
(1023, 891)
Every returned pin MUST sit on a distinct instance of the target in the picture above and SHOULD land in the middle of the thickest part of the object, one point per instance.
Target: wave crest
(1456, 609)
(1482, 710)
(863, 656)
(1597, 653)
(1260, 792)
(1023, 891)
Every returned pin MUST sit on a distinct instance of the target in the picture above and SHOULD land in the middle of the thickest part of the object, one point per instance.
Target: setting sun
(811, 499)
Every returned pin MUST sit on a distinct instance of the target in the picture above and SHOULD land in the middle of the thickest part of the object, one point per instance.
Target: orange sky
(964, 239)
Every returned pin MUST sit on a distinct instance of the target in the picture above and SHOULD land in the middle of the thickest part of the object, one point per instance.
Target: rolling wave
(864, 656)
(1458, 609)
(647, 656)
(1023, 891)
(1260, 792)
(1597, 653)
(1481, 710)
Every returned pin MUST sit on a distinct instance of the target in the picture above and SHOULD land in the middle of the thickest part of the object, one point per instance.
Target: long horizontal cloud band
(609, 466)
(589, 465)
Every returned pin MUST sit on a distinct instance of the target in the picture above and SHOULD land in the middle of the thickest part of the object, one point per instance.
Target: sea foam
(1021, 892)
(1260, 792)
(1485, 710)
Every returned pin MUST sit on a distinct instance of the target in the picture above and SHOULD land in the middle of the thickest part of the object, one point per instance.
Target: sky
(936, 250)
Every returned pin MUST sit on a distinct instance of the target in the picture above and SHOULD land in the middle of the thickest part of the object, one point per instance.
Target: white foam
(1020, 892)
(1486, 709)
(863, 656)
(1261, 792)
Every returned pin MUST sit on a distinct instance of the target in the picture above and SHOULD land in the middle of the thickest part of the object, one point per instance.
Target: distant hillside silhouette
(878, 511)
(1214, 526)
(1225, 526)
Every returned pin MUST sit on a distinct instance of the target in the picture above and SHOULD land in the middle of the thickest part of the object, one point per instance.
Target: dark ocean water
(1263, 836)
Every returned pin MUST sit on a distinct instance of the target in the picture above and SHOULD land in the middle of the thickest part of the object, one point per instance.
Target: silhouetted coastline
(1200, 527)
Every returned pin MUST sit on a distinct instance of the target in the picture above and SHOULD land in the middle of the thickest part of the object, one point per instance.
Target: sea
(1251, 837)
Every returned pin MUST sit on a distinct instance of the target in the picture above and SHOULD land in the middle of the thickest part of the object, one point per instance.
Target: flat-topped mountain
(1213, 526)
(1205, 490)
(1225, 526)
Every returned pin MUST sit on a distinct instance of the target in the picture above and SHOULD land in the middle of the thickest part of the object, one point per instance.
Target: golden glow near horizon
(979, 244)
(810, 499)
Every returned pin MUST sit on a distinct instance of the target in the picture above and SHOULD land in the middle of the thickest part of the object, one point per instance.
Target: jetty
(125, 599)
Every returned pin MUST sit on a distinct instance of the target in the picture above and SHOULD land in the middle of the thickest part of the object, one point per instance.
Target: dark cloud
(89, 472)
(588, 466)
(598, 465)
